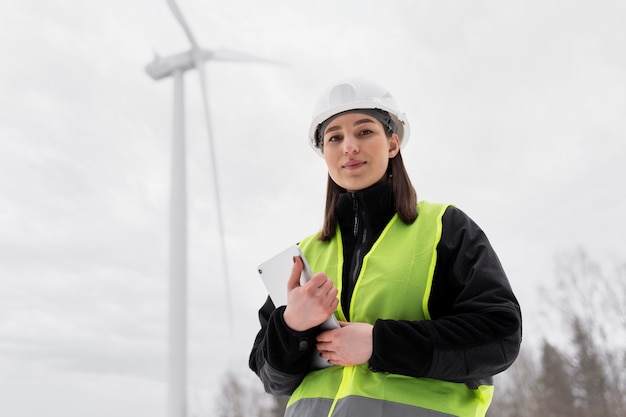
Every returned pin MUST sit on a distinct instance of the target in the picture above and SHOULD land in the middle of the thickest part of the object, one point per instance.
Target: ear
(394, 145)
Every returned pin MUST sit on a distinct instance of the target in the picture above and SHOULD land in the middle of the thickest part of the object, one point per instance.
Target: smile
(353, 164)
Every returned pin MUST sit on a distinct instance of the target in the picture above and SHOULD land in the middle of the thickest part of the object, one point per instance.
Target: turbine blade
(179, 16)
(234, 56)
(216, 188)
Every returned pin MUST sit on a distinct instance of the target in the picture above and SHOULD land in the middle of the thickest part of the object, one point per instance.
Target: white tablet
(275, 273)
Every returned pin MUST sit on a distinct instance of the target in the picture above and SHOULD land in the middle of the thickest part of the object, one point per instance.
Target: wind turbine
(175, 66)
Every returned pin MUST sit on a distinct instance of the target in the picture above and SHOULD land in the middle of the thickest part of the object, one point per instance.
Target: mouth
(353, 164)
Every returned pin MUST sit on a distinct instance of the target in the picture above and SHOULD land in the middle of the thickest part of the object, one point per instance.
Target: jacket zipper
(358, 253)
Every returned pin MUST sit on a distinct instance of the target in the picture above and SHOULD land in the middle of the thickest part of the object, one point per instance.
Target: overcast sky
(517, 112)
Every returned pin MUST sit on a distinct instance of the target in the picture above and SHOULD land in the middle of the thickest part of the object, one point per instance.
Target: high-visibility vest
(394, 283)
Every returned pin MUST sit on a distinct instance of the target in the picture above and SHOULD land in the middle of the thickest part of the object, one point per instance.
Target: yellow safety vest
(394, 283)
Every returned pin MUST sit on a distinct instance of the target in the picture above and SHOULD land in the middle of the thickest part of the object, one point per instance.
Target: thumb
(296, 271)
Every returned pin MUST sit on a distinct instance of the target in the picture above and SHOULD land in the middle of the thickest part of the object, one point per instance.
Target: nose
(350, 146)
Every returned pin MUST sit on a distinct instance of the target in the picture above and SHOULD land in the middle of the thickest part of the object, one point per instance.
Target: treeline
(578, 369)
(244, 397)
(585, 375)
(589, 382)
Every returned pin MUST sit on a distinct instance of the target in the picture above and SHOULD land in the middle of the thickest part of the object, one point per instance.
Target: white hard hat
(356, 94)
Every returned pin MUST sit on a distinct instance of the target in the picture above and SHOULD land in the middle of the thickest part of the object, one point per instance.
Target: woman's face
(357, 150)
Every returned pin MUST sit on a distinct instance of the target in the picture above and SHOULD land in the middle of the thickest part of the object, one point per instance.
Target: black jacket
(475, 327)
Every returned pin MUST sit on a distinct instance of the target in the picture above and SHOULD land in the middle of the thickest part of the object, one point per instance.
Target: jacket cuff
(401, 347)
(287, 350)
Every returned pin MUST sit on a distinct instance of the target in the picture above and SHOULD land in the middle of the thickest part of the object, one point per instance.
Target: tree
(594, 307)
(239, 399)
(555, 396)
(585, 376)
(591, 382)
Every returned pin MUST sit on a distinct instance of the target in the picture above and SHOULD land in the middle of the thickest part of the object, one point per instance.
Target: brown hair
(405, 198)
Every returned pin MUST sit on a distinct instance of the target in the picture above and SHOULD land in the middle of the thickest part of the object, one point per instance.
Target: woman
(427, 314)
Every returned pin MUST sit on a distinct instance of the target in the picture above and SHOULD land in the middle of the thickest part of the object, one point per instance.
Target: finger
(296, 271)
(332, 292)
(322, 347)
(324, 337)
(319, 280)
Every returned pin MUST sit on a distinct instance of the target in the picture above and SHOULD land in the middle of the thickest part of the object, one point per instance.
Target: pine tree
(554, 396)
(590, 377)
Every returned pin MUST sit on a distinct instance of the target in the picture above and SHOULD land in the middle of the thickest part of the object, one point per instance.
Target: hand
(351, 344)
(311, 304)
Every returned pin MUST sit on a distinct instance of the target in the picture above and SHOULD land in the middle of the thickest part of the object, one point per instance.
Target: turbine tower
(175, 66)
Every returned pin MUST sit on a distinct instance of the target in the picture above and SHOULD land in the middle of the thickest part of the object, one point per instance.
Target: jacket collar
(374, 204)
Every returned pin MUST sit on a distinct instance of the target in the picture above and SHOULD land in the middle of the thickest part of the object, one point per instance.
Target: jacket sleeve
(475, 329)
(280, 357)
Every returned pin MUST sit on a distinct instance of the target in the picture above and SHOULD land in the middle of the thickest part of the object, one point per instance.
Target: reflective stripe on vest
(358, 406)
(394, 283)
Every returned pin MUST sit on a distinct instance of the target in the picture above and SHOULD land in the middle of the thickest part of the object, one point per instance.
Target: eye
(334, 138)
(365, 132)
